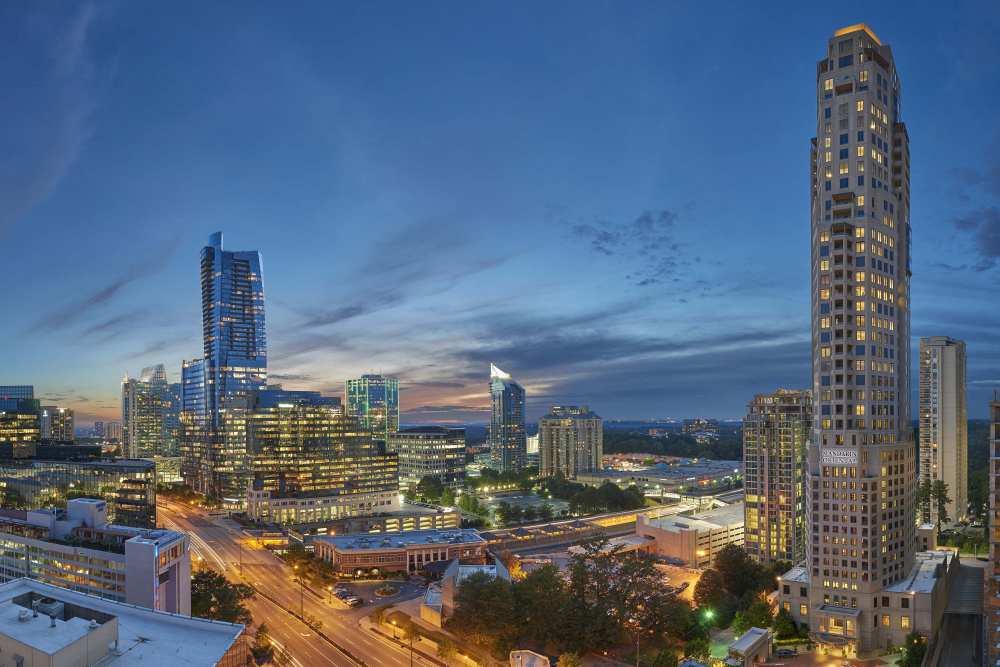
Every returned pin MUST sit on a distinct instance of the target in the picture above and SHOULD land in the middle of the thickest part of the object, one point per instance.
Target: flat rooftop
(378, 541)
(748, 640)
(673, 472)
(797, 575)
(146, 638)
(708, 520)
(923, 576)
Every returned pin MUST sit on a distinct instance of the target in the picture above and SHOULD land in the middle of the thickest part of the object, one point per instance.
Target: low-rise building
(47, 625)
(752, 648)
(692, 539)
(78, 549)
(363, 554)
(915, 603)
(680, 478)
(429, 451)
(412, 516)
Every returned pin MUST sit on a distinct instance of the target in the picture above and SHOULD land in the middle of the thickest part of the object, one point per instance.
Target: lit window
(824, 323)
(829, 156)
(859, 335)
(859, 306)
(864, 77)
(824, 265)
(861, 105)
(824, 236)
(828, 84)
(861, 166)
(824, 294)
(861, 200)
(844, 168)
(804, 609)
(824, 352)
(859, 232)
(829, 172)
(826, 142)
(904, 622)
(861, 151)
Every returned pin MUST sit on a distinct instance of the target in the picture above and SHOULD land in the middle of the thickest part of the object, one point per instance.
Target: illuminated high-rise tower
(862, 467)
(374, 400)
(507, 437)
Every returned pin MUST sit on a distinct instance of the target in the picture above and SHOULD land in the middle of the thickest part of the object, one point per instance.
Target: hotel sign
(839, 457)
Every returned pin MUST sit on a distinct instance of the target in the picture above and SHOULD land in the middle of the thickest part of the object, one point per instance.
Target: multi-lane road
(340, 641)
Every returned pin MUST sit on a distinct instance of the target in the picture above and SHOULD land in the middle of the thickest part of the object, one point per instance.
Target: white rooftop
(922, 577)
(146, 638)
(710, 520)
(749, 640)
(378, 541)
(797, 575)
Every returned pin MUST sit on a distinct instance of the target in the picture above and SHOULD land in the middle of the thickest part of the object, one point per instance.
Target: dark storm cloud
(983, 225)
(69, 314)
(649, 243)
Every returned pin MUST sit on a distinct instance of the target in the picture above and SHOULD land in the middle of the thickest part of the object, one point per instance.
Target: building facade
(20, 427)
(145, 403)
(430, 451)
(992, 610)
(944, 424)
(507, 437)
(692, 540)
(128, 486)
(570, 441)
(775, 441)
(12, 394)
(310, 462)
(374, 400)
(400, 552)
(861, 476)
(77, 548)
(57, 423)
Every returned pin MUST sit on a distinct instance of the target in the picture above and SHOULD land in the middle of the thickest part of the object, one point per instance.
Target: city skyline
(349, 200)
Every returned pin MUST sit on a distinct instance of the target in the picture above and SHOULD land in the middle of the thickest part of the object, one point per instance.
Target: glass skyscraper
(145, 405)
(508, 440)
(232, 310)
(374, 400)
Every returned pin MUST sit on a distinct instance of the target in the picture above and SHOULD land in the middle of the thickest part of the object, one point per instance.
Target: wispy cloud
(69, 314)
(47, 120)
(983, 225)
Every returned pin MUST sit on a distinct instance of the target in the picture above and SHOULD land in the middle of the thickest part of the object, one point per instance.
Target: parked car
(354, 601)
(785, 652)
(342, 594)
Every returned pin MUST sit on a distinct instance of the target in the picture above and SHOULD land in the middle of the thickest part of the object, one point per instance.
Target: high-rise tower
(861, 462)
(944, 424)
(374, 400)
(508, 442)
(232, 311)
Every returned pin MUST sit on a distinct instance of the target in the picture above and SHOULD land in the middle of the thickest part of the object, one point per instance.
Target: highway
(220, 544)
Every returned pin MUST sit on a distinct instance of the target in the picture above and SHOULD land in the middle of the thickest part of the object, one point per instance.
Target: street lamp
(329, 589)
(302, 592)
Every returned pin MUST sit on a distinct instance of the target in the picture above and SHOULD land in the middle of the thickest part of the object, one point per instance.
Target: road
(220, 544)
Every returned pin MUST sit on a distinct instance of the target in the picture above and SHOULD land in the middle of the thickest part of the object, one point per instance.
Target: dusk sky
(607, 200)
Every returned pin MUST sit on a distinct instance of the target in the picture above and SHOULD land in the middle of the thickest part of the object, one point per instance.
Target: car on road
(354, 601)
(785, 652)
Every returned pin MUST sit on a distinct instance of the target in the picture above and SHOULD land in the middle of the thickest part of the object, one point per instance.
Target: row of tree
(734, 589)
(610, 599)
(583, 499)
(727, 447)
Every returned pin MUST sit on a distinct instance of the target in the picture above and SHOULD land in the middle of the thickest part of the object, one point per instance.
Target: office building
(692, 540)
(363, 554)
(861, 464)
(308, 461)
(430, 451)
(507, 437)
(20, 427)
(944, 424)
(49, 625)
(992, 611)
(128, 486)
(172, 420)
(57, 423)
(12, 394)
(98, 429)
(570, 441)
(775, 440)
(701, 429)
(145, 403)
(77, 548)
(374, 400)
(686, 477)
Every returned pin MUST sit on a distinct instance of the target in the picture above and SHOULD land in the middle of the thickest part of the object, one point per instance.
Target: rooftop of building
(713, 519)
(571, 412)
(748, 640)
(374, 542)
(925, 573)
(430, 430)
(145, 637)
(797, 575)
(674, 471)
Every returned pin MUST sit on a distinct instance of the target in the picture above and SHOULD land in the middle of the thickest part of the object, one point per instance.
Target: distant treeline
(729, 445)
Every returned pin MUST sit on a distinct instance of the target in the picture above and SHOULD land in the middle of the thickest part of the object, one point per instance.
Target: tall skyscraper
(508, 440)
(234, 366)
(12, 394)
(20, 427)
(374, 400)
(862, 458)
(145, 402)
(232, 307)
(992, 610)
(98, 429)
(775, 440)
(944, 424)
(57, 423)
(570, 441)
(113, 431)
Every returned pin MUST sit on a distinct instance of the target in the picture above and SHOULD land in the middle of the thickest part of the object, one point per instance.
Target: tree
(484, 612)
(757, 615)
(914, 649)
(262, 649)
(710, 591)
(215, 597)
(545, 512)
(448, 497)
(784, 625)
(739, 573)
(569, 660)
(430, 488)
(925, 492)
(699, 648)
(446, 649)
(541, 599)
(939, 494)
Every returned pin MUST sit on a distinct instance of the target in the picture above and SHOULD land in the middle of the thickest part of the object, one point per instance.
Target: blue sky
(608, 200)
